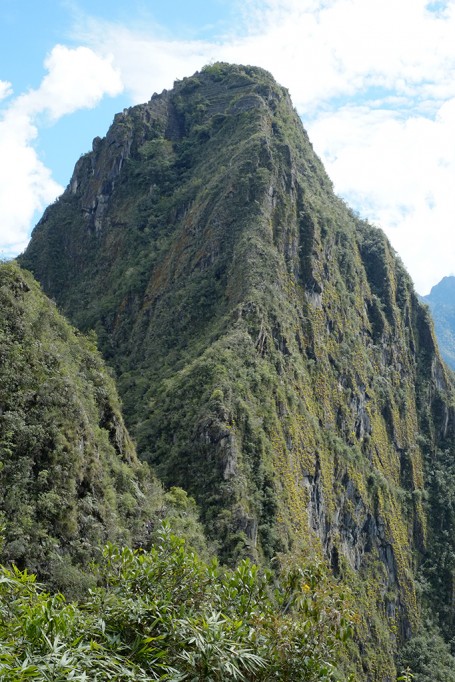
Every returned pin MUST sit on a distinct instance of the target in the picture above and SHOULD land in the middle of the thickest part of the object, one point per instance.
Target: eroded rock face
(272, 355)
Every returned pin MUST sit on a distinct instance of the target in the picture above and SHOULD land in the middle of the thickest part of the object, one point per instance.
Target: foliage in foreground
(167, 615)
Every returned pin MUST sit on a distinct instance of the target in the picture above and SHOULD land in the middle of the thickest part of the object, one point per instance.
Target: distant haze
(441, 300)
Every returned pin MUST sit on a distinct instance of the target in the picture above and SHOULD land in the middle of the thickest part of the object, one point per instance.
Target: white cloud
(399, 172)
(26, 186)
(5, 89)
(148, 63)
(324, 49)
(76, 78)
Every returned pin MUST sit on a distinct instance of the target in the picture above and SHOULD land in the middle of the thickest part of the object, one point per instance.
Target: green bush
(167, 615)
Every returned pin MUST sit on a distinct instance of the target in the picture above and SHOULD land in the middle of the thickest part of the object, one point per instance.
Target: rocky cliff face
(270, 350)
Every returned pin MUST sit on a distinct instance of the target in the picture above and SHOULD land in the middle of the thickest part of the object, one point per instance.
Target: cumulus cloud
(148, 62)
(75, 79)
(26, 186)
(399, 172)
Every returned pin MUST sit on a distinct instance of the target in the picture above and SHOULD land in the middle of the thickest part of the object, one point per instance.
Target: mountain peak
(445, 288)
(271, 353)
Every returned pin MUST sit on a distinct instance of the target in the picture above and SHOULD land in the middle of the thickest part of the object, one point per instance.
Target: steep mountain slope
(271, 353)
(70, 478)
(441, 300)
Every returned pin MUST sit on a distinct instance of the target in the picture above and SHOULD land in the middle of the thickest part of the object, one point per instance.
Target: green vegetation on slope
(167, 615)
(270, 351)
(69, 475)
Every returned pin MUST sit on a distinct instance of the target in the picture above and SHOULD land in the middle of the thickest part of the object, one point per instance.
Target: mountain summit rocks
(270, 351)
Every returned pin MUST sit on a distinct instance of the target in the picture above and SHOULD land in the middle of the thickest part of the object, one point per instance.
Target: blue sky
(373, 80)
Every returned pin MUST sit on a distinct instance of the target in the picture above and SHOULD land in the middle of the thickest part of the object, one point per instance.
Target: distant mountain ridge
(441, 300)
(271, 353)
